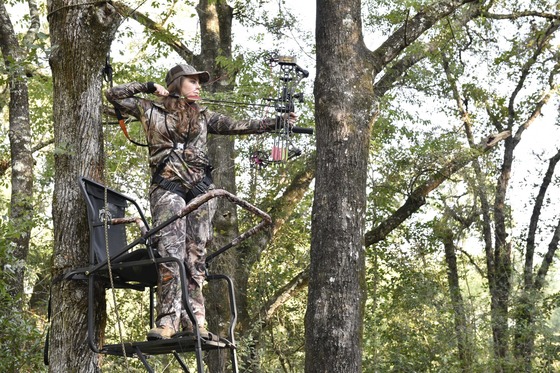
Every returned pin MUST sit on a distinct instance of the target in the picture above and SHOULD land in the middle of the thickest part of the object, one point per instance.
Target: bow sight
(291, 75)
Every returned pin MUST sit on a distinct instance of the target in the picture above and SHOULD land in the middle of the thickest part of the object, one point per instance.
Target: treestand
(117, 263)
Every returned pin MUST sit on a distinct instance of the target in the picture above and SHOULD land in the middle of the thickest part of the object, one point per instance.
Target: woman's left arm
(224, 125)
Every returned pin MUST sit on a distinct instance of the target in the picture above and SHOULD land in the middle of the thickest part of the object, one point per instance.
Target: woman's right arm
(123, 97)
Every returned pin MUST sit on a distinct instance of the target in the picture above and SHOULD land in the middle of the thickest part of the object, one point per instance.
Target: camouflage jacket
(178, 154)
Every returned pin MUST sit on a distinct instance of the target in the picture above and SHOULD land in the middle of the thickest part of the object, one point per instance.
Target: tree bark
(343, 115)
(344, 111)
(526, 310)
(81, 34)
(215, 30)
(21, 201)
(464, 345)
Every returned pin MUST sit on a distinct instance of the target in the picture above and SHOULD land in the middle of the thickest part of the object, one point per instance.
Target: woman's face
(190, 88)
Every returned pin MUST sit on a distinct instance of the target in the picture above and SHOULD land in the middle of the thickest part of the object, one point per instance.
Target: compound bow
(289, 77)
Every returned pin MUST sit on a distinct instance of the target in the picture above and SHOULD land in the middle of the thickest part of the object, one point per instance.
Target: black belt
(178, 188)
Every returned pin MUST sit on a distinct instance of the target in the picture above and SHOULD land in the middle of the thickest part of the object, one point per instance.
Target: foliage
(22, 340)
(21, 333)
(409, 317)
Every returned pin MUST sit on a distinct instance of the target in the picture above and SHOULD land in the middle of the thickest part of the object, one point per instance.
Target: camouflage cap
(185, 70)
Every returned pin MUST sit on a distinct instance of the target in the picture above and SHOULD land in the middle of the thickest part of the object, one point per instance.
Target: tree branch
(535, 114)
(297, 284)
(473, 262)
(157, 30)
(412, 30)
(417, 198)
(399, 68)
(541, 43)
(547, 260)
(34, 23)
(41, 145)
(521, 14)
(284, 206)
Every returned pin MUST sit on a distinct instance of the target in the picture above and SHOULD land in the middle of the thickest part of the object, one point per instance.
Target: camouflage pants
(185, 239)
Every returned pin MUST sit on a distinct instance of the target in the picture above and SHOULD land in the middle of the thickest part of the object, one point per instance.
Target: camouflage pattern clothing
(186, 240)
(184, 148)
(179, 154)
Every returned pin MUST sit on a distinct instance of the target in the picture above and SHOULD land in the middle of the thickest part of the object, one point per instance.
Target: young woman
(176, 131)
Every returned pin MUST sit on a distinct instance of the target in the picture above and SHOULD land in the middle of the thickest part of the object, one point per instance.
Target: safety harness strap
(178, 188)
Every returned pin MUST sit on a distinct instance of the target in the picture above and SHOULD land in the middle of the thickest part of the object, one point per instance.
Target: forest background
(418, 231)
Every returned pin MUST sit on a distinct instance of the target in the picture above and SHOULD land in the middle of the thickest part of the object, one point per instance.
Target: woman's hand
(160, 90)
(291, 118)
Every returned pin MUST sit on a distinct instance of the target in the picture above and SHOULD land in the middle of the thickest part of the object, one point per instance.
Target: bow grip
(304, 130)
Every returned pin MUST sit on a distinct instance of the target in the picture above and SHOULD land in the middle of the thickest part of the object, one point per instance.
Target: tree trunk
(344, 112)
(500, 291)
(81, 34)
(527, 304)
(464, 346)
(226, 228)
(215, 30)
(21, 202)
(334, 316)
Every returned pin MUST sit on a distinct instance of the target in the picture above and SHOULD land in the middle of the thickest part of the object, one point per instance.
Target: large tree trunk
(334, 317)
(215, 30)
(344, 111)
(226, 228)
(81, 34)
